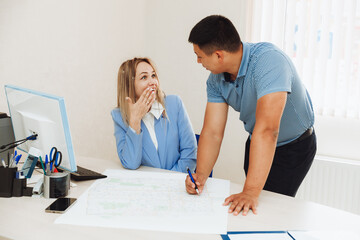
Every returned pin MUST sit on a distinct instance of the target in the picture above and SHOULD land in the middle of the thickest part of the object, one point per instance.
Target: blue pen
(192, 179)
(46, 162)
(17, 159)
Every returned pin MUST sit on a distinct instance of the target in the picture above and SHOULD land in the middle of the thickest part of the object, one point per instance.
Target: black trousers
(290, 165)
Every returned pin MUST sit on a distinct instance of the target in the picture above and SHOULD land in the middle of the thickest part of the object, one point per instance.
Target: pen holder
(19, 186)
(7, 176)
(56, 185)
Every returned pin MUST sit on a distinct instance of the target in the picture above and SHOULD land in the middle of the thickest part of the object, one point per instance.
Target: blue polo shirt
(265, 69)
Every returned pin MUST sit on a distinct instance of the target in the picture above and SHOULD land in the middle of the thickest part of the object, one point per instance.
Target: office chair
(197, 141)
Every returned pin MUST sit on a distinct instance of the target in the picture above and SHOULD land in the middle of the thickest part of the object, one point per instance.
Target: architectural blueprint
(152, 201)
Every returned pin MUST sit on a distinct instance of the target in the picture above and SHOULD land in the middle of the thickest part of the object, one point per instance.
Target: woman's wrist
(135, 124)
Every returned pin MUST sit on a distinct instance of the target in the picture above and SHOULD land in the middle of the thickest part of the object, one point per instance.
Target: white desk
(25, 217)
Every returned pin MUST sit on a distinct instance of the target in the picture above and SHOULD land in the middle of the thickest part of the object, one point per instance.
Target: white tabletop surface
(25, 217)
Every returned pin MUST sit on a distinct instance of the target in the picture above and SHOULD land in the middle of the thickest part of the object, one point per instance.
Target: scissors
(55, 157)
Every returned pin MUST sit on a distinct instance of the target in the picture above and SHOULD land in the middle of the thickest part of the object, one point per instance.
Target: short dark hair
(213, 33)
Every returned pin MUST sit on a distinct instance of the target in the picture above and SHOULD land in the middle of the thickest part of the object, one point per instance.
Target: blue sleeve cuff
(216, 100)
(132, 130)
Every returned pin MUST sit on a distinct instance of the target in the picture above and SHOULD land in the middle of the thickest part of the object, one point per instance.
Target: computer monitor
(43, 114)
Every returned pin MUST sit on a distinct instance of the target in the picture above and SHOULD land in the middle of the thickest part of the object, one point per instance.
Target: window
(323, 39)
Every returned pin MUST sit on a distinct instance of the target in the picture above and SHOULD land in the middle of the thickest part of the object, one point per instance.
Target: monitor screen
(43, 114)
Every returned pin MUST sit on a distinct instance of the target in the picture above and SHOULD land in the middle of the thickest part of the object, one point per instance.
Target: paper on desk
(259, 236)
(151, 201)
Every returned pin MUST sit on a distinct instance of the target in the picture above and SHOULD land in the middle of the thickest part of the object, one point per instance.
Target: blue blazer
(177, 145)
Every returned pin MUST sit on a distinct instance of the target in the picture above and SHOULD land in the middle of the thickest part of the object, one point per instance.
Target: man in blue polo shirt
(259, 81)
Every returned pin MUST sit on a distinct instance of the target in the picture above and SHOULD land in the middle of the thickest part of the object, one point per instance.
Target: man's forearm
(262, 150)
(208, 152)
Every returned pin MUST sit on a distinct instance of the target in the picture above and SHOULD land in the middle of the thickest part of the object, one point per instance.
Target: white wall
(73, 48)
(167, 28)
(338, 137)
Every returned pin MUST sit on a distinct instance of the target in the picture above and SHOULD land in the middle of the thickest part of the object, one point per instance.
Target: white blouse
(155, 112)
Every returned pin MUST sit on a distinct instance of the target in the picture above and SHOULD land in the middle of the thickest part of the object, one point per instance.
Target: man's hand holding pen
(199, 181)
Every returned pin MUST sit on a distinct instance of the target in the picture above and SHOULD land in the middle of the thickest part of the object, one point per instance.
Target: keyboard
(85, 174)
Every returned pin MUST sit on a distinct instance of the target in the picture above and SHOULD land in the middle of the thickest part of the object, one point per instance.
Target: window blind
(322, 37)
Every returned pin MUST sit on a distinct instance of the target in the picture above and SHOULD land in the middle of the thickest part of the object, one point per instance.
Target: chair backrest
(197, 141)
(197, 138)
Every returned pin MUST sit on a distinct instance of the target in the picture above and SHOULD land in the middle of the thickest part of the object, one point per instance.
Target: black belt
(303, 136)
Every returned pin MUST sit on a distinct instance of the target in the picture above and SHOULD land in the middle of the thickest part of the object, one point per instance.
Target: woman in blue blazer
(151, 129)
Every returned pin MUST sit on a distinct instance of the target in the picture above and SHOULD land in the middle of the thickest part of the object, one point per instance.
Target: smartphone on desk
(60, 205)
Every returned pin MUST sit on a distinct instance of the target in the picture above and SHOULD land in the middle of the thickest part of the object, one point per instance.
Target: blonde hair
(126, 86)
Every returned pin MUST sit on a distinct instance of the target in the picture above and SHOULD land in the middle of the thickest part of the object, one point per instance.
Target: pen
(51, 165)
(47, 169)
(3, 162)
(46, 162)
(42, 165)
(11, 163)
(17, 159)
(192, 179)
(12, 159)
